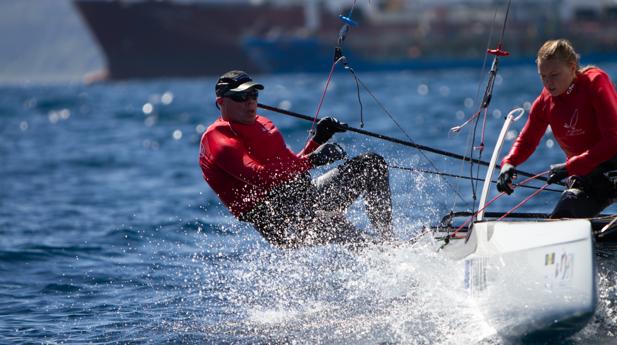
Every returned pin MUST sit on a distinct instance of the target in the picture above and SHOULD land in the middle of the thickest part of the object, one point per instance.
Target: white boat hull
(530, 278)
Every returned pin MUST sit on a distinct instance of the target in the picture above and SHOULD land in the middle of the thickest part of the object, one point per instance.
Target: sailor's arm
(605, 106)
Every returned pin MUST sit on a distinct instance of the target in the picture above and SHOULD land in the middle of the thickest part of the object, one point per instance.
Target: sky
(45, 41)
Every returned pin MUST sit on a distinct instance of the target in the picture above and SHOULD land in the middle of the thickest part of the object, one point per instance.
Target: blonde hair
(561, 50)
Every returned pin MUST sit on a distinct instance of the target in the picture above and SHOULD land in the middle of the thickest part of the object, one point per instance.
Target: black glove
(326, 154)
(557, 173)
(504, 181)
(326, 127)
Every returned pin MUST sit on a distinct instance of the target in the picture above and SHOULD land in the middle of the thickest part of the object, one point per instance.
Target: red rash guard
(242, 163)
(583, 120)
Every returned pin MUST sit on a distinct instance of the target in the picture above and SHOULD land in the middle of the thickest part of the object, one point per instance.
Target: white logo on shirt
(571, 127)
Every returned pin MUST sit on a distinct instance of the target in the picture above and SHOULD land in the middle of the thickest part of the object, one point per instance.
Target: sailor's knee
(575, 203)
(374, 160)
(369, 165)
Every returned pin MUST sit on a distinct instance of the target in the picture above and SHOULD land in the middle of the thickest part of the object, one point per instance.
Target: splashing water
(379, 294)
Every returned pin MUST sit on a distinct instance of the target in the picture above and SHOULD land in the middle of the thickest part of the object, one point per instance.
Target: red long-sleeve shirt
(242, 163)
(583, 120)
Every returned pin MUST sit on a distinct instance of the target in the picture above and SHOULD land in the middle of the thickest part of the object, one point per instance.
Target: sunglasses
(243, 96)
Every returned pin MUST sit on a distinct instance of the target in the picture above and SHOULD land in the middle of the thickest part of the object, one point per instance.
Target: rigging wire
(523, 202)
(323, 94)
(462, 177)
(353, 73)
(385, 110)
(396, 140)
(338, 57)
(497, 52)
(486, 99)
(473, 216)
(475, 116)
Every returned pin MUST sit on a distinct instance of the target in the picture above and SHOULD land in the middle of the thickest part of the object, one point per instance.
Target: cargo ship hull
(154, 39)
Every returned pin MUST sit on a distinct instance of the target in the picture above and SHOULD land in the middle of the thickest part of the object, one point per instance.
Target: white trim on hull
(530, 279)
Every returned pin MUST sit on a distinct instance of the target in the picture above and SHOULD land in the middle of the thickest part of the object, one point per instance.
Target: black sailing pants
(304, 212)
(586, 196)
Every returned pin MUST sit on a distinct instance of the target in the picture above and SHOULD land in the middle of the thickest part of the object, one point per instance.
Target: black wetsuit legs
(586, 196)
(302, 213)
(577, 203)
(363, 176)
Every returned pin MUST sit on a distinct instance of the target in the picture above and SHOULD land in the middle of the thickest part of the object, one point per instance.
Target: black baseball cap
(235, 81)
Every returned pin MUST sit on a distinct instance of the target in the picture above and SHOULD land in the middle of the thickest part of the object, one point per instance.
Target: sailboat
(531, 278)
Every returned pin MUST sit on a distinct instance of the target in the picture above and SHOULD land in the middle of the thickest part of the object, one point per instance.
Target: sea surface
(109, 234)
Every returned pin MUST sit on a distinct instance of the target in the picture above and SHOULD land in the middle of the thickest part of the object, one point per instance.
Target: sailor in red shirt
(245, 160)
(580, 105)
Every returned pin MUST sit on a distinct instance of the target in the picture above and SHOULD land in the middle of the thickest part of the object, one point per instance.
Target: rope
(323, 95)
(394, 140)
(353, 73)
(462, 176)
(522, 202)
(472, 217)
(421, 151)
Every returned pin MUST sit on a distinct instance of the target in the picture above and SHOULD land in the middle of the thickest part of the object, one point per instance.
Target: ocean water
(109, 235)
